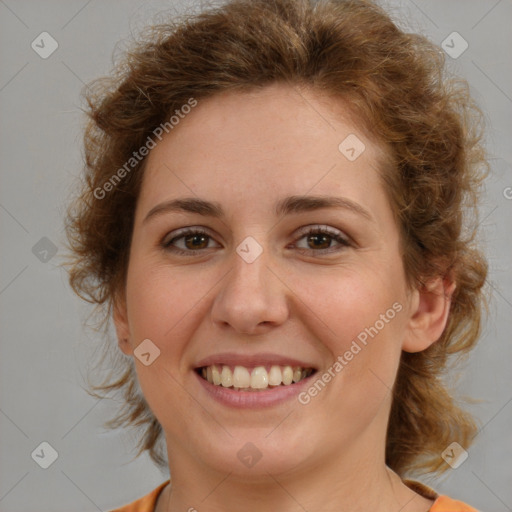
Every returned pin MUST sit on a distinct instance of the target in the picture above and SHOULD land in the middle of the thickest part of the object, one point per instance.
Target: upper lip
(232, 359)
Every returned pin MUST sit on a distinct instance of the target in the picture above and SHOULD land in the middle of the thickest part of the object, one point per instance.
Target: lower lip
(253, 399)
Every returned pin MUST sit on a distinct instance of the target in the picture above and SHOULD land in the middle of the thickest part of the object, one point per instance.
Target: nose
(252, 299)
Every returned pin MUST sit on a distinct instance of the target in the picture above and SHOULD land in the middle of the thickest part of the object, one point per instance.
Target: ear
(120, 317)
(429, 314)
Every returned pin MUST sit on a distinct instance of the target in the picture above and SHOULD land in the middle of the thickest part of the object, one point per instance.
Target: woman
(272, 216)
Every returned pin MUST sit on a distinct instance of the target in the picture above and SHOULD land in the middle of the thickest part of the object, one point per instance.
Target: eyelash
(313, 230)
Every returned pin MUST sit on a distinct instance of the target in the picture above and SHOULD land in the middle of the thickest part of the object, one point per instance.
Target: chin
(256, 455)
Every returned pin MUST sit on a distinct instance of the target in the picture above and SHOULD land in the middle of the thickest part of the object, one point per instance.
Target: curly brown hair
(396, 84)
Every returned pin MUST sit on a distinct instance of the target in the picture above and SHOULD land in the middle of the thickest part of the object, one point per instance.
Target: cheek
(354, 304)
(365, 319)
(162, 308)
(158, 302)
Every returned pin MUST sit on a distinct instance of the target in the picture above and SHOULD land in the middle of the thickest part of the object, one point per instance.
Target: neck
(351, 484)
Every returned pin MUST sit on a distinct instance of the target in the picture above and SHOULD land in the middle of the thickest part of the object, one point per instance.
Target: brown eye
(187, 241)
(196, 241)
(320, 239)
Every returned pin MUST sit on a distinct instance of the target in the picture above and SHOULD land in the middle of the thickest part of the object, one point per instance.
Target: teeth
(241, 377)
(257, 378)
(226, 377)
(274, 376)
(287, 375)
(216, 376)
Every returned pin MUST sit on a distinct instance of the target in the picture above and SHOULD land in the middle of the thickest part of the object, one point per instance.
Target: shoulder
(441, 503)
(146, 503)
(446, 504)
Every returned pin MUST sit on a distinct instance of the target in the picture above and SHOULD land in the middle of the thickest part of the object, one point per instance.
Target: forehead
(261, 142)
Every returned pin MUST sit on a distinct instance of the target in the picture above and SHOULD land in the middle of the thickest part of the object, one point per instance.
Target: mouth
(253, 379)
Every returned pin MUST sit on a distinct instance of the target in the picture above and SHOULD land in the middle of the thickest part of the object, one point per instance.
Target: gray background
(44, 347)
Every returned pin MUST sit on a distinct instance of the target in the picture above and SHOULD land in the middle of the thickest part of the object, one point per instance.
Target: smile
(259, 378)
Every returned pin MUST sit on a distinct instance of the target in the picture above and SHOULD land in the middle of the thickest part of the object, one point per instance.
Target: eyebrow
(286, 206)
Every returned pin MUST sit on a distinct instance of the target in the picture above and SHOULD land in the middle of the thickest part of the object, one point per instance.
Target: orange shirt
(442, 503)
(144, 504)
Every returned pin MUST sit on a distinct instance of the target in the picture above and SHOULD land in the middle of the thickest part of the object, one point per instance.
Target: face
(282, 252)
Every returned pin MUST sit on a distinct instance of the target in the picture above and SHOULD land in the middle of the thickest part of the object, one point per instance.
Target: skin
(247, 151)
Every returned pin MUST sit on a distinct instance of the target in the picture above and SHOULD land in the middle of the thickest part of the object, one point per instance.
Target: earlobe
(120, 318)
(430, 314)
